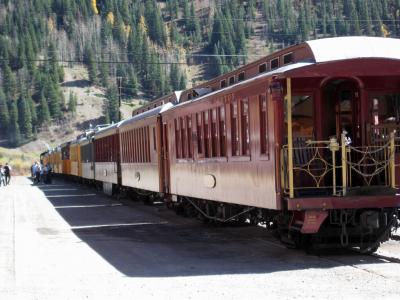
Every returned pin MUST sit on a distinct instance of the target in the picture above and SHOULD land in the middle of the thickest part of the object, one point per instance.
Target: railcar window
(177, 139)
(385, 109)
(154, 139)
(262, 68)
(302, 117)
(222, 131)
(241, 76)
(132, 145)
(199, 134)
(288, 58)
(189, 136)
(183, 138)
(148, 144)
(214, 133)
(244, 122)
(125, 146)
(231, 80)
(222, 83)
(274, 63)
(264, 141)
(206, 134)
(234, 128)
(136, 143)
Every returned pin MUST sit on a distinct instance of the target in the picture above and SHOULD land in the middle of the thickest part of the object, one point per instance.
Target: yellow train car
(75, 157)
(57, 161)
(65, 157)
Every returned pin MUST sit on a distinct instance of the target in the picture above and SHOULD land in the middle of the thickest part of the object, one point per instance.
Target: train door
(165, 153)
(342, 97)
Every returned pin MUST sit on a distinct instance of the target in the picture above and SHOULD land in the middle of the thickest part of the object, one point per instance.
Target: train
(303, 142)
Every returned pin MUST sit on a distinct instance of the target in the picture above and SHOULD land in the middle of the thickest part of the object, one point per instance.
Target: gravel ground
(65, 241)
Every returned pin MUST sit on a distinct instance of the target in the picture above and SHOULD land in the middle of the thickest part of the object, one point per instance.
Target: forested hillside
(150, 45)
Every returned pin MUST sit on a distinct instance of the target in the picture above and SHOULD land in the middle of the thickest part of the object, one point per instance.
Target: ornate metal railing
(333, 168)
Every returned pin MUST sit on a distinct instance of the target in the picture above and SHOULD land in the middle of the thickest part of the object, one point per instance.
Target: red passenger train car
(304, 141)
(107, 158)
(141, 151)
(313, 135)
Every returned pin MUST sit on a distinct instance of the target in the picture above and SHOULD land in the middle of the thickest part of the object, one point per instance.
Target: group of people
(41, 173)
(5, 174)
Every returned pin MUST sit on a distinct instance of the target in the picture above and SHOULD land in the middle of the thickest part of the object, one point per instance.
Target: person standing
(2, 182)
(38, 171)
(7, 173)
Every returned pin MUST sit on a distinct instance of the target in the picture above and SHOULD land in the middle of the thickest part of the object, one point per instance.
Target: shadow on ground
(151, 241)
(76, 83)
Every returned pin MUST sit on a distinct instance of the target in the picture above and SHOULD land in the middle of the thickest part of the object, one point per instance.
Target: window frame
(222, 83)
(261, 65)
(284, 56)
(272, 61)
(241, 76)
(263, 127)
(239, 130)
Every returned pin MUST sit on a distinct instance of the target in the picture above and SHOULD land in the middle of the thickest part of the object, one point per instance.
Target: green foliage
(44, 114)
(14, 134)
(24, 117)
(91, 65)
(146, 36)
(72, 103)
(4, 114)
(111, 106)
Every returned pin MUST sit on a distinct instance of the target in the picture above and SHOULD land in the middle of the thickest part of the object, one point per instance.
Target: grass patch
(20, 162)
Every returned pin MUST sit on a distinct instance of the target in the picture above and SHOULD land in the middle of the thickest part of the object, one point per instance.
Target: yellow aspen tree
(50, 24)
(110, 18)
(142, 25)
(385, 31)
(94, 6)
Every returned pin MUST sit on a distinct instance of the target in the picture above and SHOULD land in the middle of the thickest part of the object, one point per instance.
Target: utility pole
(119, 84)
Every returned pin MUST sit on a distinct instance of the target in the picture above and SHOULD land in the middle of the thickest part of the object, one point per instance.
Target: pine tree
(112, 104)
(54, 69)
(182, 82)
(24, 117)
(91, 65)
(32, 107)
(4, 114)
(44, 114)
(174, 77)
(104, 70)
(14, 134)
(72, 102)
(9, 82)
(54, 101)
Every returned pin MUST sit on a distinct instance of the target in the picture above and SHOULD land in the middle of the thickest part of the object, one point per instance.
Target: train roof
(352, 47)
(323, 51)
(281, 70)
(149, 113)
(105, 130)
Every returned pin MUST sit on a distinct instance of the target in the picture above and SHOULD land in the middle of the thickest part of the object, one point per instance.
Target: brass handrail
(317, 159)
